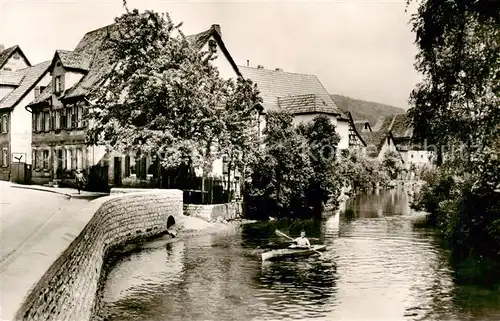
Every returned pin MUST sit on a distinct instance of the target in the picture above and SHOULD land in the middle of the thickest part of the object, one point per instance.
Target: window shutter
(7, 123)
(1, 124)
(73, 121)
(37, 92)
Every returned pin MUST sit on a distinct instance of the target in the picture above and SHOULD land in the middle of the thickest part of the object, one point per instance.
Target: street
(23, 213)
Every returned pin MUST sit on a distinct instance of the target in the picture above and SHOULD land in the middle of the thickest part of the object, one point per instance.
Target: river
(377, 267)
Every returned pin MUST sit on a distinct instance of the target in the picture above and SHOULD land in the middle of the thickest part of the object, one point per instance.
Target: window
(58, 84)
(5, 157)
(69, 156)
(7, 69)
(47, 121)
(73, 159)
(33, 157)
(132, 167)
(388, 141)
(79, 158)
(212, 45)
(411, 156)
(45, 157)
(69, 118)
(5, 123)
(16, 56)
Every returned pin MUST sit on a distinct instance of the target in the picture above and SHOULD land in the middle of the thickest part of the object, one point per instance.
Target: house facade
(19, 85)
(59, 131)
(302, 95)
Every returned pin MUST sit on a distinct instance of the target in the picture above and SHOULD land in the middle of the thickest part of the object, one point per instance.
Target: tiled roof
(12, 78)
(401, 127)
(74, 60)
(375, 139)
(7, 53)
(278, 84)
(31, 77)
(303, 104)
(92, 55)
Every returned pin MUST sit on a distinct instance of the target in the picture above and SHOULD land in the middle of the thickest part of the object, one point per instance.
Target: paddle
(288, 237)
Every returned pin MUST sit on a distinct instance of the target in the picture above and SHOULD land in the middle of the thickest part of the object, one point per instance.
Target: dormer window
(58, 84)
(212, 46)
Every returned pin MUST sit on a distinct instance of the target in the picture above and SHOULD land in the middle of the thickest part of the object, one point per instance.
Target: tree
(282, 171)
(458, 99)
(322, 140)
(457, 104)
(240, 139)
(392, 163)
(160, 96)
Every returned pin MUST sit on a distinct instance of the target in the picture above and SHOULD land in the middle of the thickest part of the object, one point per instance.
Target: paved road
(23, 213)
(36, 226)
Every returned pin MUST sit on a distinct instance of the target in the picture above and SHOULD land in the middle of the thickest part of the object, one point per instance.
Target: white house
(20, 83)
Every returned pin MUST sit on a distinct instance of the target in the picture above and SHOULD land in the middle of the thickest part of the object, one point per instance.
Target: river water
(377, 267)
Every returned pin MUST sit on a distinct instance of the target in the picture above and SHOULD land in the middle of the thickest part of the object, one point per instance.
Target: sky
(362, 49)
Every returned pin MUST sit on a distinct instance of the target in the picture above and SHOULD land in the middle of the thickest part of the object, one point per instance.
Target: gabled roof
(73, 60)
(199, 40)
(402, 127)
(92, 56)
(361, 124)
(356, 130)
(376, 139)
(31, 77)
(7, 53)
(278, 85)
(12, 78)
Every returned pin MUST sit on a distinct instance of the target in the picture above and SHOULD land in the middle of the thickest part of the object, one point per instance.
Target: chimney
(217, 29)
(278, 69)
(248, 63)
(2, 47)
(260, 67)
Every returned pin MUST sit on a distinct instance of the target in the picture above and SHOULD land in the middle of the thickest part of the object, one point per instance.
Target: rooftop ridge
(277, 71)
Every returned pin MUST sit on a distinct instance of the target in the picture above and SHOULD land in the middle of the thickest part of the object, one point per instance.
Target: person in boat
(302, 241)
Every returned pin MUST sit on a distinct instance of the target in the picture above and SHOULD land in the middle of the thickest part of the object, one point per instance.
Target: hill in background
(362, 109)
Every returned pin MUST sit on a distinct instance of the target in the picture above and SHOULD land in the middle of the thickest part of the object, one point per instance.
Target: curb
(40, 189)
(70, 196)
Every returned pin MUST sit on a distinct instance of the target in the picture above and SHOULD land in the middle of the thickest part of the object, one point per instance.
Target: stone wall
(227, 211)
(68, 290)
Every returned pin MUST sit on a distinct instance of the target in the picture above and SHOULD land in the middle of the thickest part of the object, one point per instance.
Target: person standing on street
(80, 180)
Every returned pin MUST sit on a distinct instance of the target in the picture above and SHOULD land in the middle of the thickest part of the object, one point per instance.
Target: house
(302, 95)
(379, 140)
(12, 59)
(413, 153)
(20, 83)
(59, 131)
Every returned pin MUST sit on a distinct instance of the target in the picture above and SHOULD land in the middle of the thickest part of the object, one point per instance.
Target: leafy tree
(457, 104)
(322, 140)
(161, 96)
(281, 171)
(240, 138)
(459, 58)
(392, 164)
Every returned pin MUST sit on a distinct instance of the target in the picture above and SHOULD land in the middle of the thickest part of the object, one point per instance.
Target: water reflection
(376, 267)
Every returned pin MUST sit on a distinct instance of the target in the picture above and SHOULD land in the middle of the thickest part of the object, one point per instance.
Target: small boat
(291, 252)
